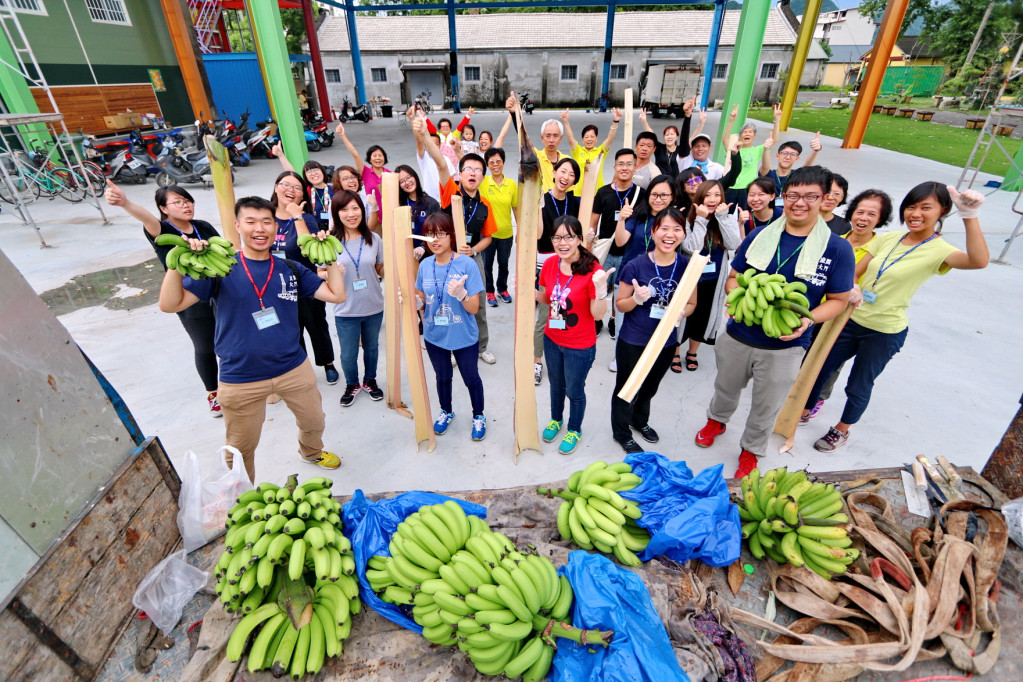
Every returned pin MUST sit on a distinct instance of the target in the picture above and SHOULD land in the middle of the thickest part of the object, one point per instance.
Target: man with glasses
(480, 221)
(607, 205)
(788, 154)
(799, 246)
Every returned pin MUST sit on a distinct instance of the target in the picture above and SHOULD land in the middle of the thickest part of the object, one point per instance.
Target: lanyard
(621, 201)
(358, 258)
(287, 226)
(468, 220)
(647, 237)
(194, 235)
(781, 263)
(560, 211)
(324, 199)
(438, 284)
(884, 264)
(561, 294)
(259, 292)
(671, 278)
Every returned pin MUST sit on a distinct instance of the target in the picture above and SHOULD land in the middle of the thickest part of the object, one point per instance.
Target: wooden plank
(590, 176)
(22, 653)
(392, 319)
(53, 644)
(627, 141)
(85, 106)
(458, 218)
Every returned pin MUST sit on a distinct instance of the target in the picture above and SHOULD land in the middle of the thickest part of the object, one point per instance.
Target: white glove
(600, 278)
(418, 252)
(640, 294)
(968, 202)
(456, 287)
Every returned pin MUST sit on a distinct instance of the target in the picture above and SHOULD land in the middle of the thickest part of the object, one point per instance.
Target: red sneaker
(214, 404)
(705, 436)
(747, 463)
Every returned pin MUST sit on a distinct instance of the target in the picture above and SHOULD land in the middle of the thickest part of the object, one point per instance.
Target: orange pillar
(179, 24)
(887, 34)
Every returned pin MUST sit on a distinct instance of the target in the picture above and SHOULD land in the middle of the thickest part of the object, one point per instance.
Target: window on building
(769, 72)
(332, 75)
(378, 74)
(569, 72)
(108, 11)
(720, 72)
(25, 6)
(472, 74)
(619, 72)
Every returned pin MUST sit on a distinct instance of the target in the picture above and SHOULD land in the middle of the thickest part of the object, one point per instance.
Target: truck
(668, 83)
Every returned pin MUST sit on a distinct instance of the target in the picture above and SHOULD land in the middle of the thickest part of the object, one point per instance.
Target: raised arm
(115, 197)
(776, 130)
(733, 173)
(728, 126)
(684, 133)
(815, 147)
(510, 106)
(359, 163)
(419, 128)
(616, 118)
(642, 119)
(765, 157)
(976, 255)
(572, 143)
(465, 120)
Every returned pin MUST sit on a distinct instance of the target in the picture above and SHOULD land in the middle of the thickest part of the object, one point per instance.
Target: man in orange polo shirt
(480, 223)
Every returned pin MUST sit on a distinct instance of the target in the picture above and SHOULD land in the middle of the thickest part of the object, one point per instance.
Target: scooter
(232, 139)
(527, 104)
(359, 113)
(312, 141)
(322, 130)
(262, 141)
(125, 168)
(177, 167)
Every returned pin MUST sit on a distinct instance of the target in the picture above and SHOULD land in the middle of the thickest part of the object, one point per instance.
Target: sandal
(676, 364)
(691, 363)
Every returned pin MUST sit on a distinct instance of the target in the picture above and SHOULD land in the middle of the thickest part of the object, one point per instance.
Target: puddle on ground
(117, 289)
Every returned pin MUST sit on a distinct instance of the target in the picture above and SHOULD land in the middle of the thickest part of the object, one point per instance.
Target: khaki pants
(244, 408)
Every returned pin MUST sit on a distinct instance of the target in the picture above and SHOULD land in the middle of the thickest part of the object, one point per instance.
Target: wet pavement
(124, 288)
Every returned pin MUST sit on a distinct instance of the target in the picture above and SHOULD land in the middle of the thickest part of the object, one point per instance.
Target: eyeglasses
(694, 181)
(407, 181)
(288, 185)
(473, 170)
(180, 204)
(792, 197)
(623, 164)
(789, 154)
(562, 238)
(435, 235)
(661, 196)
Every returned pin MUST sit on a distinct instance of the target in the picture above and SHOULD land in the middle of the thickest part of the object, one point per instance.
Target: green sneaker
(569, 442)
(551, 432)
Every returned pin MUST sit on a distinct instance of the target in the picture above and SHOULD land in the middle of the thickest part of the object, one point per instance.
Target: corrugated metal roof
(847, 54)
(510, 31)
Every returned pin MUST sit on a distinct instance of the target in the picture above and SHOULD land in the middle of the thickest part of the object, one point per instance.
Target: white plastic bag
(205, 500)
(166, 589)
(1013, 513)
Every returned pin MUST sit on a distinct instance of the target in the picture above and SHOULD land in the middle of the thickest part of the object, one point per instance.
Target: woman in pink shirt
(372, 169)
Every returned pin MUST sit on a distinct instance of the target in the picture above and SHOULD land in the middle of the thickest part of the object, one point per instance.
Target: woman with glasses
(176, 209)
(318, 192)
(447, 289)
(292, 220)
(359, 318)
(645, 288)
(372, 169)
(714, 228)
(411, 194)
(832, 200)
(574, 289)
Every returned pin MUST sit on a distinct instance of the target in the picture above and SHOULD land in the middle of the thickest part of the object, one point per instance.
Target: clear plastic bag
(1013, 513)
(166, 589)
(205, 500)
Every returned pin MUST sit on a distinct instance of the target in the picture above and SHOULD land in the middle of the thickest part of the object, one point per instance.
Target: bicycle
(15, 184)
(93, 174)
(423, 100)
(47, 181)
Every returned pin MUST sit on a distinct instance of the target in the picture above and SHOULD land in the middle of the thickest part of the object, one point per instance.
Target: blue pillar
(712, 51)
(605, 81)
(353, 45)
(456, 107)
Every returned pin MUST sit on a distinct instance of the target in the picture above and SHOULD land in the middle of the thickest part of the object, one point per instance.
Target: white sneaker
(488, 357)
(613, 366)
(537, 373)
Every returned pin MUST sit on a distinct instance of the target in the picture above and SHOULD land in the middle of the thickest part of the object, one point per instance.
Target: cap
(701, 136)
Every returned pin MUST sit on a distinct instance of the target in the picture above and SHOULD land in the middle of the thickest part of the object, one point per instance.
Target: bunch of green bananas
(469, 586)
(770, 301)
(319, 252)
(278, 535)
(792, 520)
(215, 260)
(594, 516)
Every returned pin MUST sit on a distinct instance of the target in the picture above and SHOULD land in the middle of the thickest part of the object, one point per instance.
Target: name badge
(468, 238)
(556, 324)
(656, 311)
(617, 213)
(324, 216)
(278, 252)
(710, 268)
(869, 296)
(265, 318)
(359, 284)
(441, 320)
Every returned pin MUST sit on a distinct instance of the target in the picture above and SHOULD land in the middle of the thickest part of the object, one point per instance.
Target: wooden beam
(182, 35)
(392, 319)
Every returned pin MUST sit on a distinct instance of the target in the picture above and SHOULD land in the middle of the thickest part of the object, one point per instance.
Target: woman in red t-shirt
(575, 288)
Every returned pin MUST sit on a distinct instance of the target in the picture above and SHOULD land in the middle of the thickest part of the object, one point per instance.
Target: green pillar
(1012, 180)
(17, 96)
(743, 72)
(265, 18)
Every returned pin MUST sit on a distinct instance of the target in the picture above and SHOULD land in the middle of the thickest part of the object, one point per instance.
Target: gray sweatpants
(772, 371)
(481, 314)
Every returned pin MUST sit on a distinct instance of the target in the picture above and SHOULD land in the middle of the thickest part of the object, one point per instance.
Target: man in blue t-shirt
(746, 352)
(257, 334)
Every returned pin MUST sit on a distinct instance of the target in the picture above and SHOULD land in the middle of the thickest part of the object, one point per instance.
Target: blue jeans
(501, 249)
(468, 366)
(566, 370)
(612, 287)
(872, 351)
(349, 332)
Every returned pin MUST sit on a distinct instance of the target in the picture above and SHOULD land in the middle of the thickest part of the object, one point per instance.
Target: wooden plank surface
(85, 106)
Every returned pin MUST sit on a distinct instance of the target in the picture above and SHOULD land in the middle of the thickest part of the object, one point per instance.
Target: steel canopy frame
(350, 8)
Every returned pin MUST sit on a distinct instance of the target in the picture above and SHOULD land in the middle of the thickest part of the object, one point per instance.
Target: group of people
(666, 201)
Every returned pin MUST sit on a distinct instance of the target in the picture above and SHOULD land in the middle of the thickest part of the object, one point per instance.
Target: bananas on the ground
(594, 516)
(215, 259)
(319, 252)
(769, 301)
(288, 538)
(792, 520)
(468, 586)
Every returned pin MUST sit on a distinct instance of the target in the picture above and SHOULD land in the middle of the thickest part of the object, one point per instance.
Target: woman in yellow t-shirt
(894, 267)
(589, 150)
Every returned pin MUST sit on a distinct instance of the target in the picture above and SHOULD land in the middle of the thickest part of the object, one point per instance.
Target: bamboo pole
(458, 217)
(627, 140)
(684, 290)
(392, 319)
(223, 188)
(792, 409)
(405, 272)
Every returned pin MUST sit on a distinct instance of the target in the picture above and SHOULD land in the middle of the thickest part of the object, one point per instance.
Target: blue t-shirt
(287, 239)
(638, 326)
(461, 329)
(246, 352)
(834, 276)
(640, 241)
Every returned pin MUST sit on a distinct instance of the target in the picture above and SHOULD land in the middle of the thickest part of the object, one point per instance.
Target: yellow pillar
(803, 42)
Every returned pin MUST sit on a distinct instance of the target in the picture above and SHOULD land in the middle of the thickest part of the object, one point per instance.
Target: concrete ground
(952, 390)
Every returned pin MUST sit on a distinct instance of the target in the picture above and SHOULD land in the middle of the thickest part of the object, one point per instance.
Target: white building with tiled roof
(556, 57)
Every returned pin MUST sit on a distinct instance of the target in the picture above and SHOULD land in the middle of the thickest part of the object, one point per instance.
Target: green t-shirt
(750, 166)
(900, 280)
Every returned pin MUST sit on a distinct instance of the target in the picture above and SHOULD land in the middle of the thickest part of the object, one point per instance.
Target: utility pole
(976, 38)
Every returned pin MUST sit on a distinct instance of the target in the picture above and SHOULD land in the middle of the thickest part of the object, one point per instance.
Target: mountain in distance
(798, 6)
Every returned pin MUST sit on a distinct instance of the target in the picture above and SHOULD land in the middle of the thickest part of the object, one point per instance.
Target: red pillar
(314, 51)
(225, 42)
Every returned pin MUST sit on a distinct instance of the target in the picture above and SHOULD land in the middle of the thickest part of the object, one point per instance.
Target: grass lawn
(928, 140)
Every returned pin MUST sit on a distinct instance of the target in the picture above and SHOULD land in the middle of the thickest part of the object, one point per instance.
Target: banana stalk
(392, 319)
(223, 188)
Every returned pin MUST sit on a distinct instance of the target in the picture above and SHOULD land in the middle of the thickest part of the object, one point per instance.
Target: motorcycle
(231, 138)
(125, 168)
(312, 141)
(527, 104)
(359, 113)
(179, 167)
(322, 130)
(262, 141)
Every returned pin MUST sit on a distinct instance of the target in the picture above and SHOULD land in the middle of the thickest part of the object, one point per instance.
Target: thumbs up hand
(456, 287)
